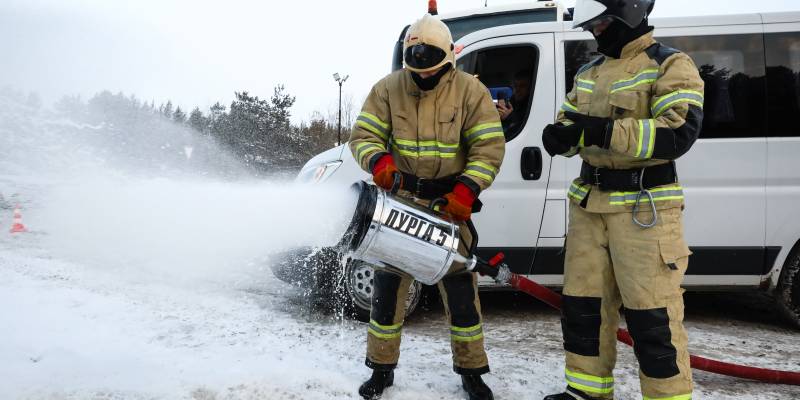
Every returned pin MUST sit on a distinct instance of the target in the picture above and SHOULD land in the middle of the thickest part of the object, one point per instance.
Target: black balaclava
(431, 82)
(618, 35)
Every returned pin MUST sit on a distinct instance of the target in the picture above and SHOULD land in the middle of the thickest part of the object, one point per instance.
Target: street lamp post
(340, 80)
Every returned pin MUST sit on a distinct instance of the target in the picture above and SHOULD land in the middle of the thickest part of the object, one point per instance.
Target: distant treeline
(256, 131)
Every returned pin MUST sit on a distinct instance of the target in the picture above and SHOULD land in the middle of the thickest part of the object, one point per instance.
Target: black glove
(560, 139)
(596, 131)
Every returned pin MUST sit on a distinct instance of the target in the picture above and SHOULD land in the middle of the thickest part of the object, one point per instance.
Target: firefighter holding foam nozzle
(632, 112)
(432, 132)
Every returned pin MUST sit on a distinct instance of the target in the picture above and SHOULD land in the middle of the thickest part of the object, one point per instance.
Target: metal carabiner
(643, 191)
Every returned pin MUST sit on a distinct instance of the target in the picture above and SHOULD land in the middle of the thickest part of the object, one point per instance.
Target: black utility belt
(428, 189)
(629, 180)
(431, 189)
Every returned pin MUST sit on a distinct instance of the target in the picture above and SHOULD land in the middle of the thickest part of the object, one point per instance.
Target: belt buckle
(597, 178)
(637, 179)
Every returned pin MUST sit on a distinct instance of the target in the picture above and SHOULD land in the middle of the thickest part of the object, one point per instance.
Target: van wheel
(788, 291)
(355, 294)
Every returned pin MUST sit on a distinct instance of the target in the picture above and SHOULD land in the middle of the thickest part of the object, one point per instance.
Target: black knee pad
(580, 323)
(652, 342)
(461, 300)
(384, 298)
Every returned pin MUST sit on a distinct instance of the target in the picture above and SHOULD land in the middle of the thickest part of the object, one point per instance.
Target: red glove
(384, 171)
(459, 202)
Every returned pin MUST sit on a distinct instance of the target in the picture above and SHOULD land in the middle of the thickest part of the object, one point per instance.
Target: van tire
(788, 290)
(354, 295)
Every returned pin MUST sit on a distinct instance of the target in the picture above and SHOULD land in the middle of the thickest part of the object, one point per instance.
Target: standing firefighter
(632, 112)
(436, 130)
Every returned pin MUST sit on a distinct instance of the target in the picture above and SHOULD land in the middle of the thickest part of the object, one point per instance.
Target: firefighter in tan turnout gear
(436, 132)
(632, 112)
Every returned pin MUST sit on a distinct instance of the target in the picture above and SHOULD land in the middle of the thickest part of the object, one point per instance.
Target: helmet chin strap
(430, 82)
(618, 35)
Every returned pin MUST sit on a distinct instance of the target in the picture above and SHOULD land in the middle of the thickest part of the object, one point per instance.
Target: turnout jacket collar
(414, 90)
(638, 46)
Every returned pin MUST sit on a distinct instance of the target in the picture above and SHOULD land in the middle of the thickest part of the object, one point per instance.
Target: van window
(510, 74)
(732, 67)
(577, 53)
(783, 83)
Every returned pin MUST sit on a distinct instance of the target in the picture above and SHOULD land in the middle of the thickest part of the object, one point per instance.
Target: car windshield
(460, 27)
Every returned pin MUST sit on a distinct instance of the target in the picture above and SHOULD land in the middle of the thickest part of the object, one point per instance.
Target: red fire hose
(553, 299)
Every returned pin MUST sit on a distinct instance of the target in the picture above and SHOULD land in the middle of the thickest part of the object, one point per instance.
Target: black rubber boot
(570, 394)
(476, 388)
(373, 388)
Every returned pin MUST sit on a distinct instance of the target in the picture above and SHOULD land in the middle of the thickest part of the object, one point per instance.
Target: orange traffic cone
(17, 227)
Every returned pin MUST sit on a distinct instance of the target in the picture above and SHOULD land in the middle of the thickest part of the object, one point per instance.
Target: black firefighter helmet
(589, 13)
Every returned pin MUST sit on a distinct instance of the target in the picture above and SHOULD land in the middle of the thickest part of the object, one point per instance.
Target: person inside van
(514, 111)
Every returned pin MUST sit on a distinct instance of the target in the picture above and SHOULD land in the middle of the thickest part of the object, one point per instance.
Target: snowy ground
(71, 331)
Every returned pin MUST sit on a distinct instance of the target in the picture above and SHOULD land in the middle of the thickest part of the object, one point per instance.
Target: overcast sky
(196, 52)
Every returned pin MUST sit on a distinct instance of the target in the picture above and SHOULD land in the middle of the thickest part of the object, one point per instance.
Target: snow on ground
(71, 331)
(144, 277)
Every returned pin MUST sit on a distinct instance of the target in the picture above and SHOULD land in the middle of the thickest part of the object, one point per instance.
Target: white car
(741, 178)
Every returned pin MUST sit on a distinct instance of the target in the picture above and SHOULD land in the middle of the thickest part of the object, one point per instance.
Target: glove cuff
(464, 194)
(380, 161)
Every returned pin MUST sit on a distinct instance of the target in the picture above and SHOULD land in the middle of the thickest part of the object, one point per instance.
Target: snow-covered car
(741, 179)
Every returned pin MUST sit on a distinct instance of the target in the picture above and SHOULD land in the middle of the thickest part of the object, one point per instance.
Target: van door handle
(531, 163)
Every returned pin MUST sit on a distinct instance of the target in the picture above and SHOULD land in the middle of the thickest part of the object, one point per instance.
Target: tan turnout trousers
(459, 291)
(612, 263)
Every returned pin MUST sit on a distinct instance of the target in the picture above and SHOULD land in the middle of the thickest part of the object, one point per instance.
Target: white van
(741, 178)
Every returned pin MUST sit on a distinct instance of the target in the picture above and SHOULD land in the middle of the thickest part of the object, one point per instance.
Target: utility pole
(340, 80)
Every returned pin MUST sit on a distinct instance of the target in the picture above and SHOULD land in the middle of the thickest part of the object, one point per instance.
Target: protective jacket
(451, 130)
(654, 94)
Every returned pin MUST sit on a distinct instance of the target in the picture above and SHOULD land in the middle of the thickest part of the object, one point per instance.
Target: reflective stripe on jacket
(453, 129)
(654, 94)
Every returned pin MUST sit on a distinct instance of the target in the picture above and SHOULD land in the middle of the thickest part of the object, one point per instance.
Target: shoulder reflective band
(362, 149)
(567, 106)
(659, 194)
(374, 125)
(664, 103)
(469, 334)
(578, 192)
(585, 85)
(647, 138)
(384, 331)
(590, 383)
(430, 148)
(483, 131)
(678, 397)
(642, 78)
(481, 170)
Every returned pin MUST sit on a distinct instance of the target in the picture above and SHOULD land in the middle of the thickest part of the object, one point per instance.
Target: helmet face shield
(423, 56)
(586, 11)
(589, 13)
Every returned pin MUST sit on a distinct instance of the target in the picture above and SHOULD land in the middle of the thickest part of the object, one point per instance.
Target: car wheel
(355, 298)
(788, 291)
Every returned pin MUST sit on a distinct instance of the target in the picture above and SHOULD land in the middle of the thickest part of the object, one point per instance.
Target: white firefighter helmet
(589, 13)
(428, 45)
